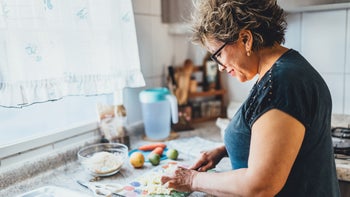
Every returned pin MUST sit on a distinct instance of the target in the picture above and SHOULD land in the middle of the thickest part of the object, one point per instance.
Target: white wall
(323, 38)
(155, 48)
(158, 50)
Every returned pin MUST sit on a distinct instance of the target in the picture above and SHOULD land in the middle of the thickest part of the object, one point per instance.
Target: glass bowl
(103, 159)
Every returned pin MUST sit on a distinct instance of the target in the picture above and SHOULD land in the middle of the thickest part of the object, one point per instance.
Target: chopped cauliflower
(152, 181)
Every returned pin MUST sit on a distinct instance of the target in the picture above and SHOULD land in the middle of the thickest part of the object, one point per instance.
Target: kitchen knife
(100, 189)
(171, 71)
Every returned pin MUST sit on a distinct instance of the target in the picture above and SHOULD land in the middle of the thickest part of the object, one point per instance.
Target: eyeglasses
(213, 57)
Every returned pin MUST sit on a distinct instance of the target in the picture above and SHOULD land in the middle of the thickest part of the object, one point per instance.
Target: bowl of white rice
(103, 159)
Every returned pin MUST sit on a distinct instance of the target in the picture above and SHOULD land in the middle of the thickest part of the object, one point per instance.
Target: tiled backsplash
(340, 120)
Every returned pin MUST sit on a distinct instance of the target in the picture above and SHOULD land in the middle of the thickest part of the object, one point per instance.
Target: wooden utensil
(184, 78)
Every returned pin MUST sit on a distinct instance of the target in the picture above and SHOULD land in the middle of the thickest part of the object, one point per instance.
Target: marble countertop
(343, 169)
(189, 143)
(65, 176)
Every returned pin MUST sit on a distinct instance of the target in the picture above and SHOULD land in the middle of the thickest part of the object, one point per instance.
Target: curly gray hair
(223, 19)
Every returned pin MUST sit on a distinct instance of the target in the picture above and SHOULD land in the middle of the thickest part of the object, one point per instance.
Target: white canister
(159, 107)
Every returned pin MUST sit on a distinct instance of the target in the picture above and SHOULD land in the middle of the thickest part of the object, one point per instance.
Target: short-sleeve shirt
(293, 86)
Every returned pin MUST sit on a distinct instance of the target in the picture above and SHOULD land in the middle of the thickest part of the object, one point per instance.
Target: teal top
(293, 86)
(153, 95)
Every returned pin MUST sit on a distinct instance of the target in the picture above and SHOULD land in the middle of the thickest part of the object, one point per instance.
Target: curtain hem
(21, 94)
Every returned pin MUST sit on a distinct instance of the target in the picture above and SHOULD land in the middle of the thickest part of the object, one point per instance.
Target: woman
(279, 141)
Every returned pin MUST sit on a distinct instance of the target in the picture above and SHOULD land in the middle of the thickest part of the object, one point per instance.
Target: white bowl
(103, 159)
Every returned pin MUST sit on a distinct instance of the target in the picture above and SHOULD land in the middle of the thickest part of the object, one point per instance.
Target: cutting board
(143, 185)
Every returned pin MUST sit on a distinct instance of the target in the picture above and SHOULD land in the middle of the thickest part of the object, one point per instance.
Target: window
(19, 125)
(58, 59)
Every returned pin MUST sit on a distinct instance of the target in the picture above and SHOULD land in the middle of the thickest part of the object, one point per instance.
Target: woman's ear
(247, 39)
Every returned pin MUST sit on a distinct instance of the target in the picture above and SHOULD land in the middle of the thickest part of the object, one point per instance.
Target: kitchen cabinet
(199, 92)
(207, 102)
(344, 188)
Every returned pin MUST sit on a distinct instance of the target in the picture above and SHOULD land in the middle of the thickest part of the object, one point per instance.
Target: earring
(249, 53)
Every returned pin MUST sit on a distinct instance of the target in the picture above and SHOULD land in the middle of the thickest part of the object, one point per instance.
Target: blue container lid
(153, 95)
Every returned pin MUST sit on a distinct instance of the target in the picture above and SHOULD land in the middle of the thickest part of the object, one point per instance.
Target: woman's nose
(221, 67)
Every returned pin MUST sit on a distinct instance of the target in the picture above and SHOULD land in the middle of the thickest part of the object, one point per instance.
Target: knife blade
(82, 183)
(102, 189)
(171, 71)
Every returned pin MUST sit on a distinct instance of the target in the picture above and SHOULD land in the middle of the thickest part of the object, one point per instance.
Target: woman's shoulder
(292, 61)
(293, 68)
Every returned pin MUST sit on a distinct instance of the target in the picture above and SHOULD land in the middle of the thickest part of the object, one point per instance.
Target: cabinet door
(344, 188)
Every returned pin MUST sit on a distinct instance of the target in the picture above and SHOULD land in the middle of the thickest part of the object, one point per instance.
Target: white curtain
(50, 49)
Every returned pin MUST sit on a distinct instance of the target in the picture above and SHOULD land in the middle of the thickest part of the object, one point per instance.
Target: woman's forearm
(208, 182)
(232, 183)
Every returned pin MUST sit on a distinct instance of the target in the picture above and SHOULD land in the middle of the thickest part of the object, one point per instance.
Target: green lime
(154, 159)
(172, 154)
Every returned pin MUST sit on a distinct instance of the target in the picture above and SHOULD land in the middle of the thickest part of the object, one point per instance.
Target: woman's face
(234, 59)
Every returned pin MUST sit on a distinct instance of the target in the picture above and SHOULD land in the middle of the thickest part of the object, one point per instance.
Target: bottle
(210, 73)
(121, 134)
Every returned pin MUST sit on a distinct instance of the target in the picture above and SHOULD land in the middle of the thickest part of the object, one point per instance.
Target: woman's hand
(209, 159)
(180, 180)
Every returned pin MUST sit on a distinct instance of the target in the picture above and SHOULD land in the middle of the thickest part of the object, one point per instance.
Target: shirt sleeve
(288, 88)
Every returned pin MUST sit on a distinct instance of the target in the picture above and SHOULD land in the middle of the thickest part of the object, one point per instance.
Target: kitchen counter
(343, 169)
(189, 143)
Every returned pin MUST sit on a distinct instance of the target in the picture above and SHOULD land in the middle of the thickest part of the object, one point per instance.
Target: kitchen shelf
(203, 119)
(205, 100)
(208, 99)
(207, 93)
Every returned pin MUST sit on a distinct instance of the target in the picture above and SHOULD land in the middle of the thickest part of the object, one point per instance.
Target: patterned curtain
(50, 49)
